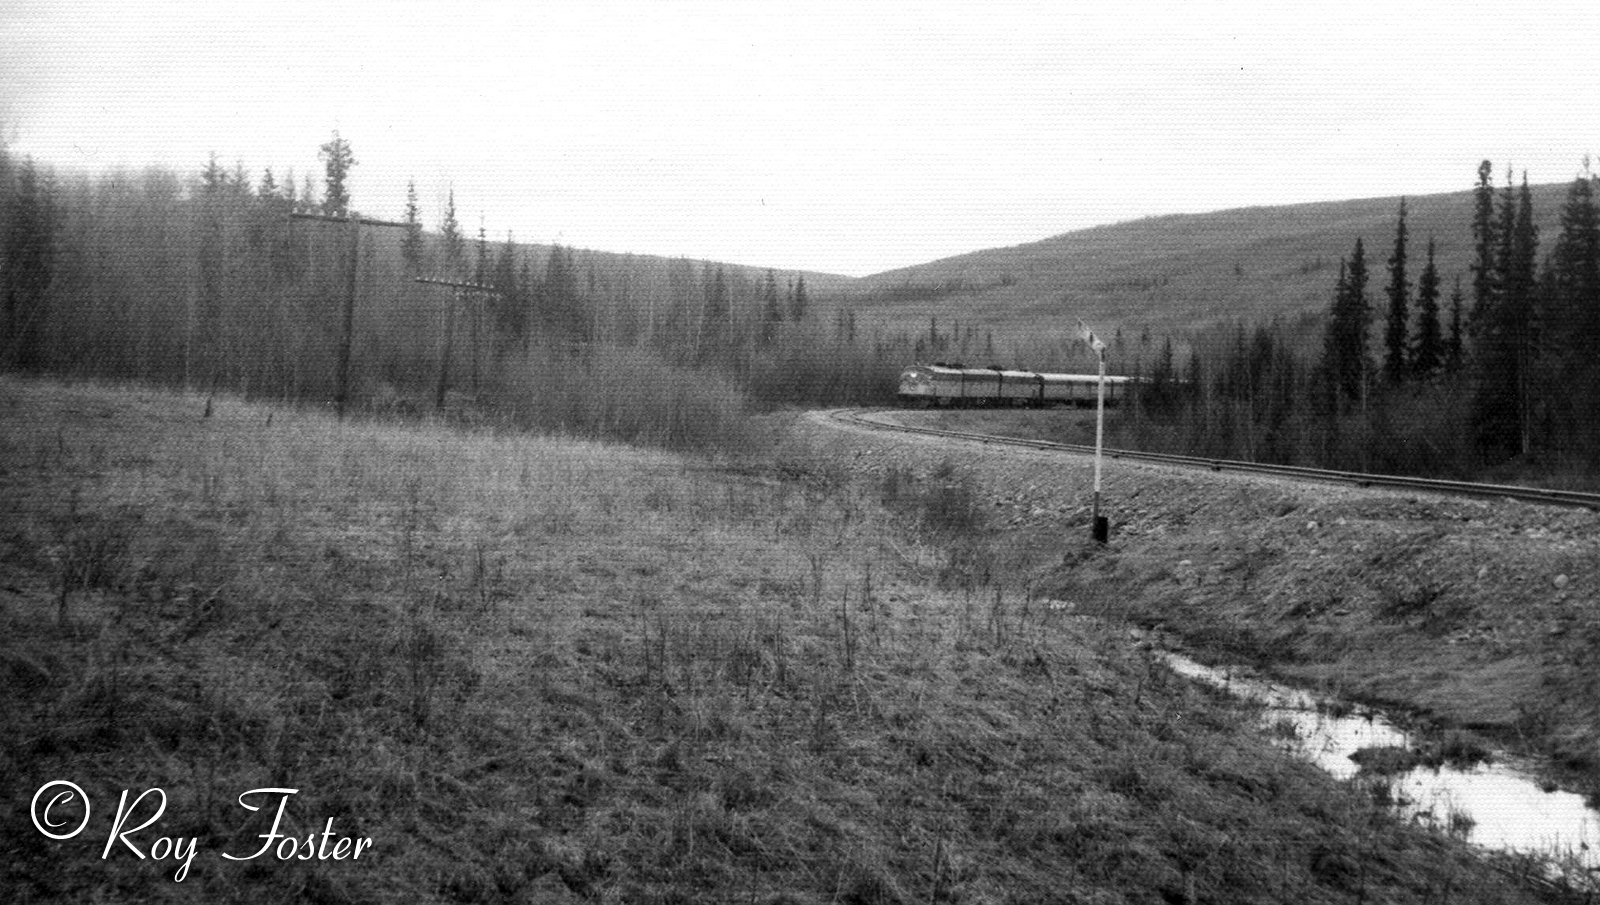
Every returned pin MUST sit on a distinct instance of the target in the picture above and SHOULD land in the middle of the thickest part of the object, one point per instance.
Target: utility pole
(461, 290)
(347, 330)
(1102, 525)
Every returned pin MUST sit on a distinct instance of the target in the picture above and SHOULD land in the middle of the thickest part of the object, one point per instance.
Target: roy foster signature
(56, 804)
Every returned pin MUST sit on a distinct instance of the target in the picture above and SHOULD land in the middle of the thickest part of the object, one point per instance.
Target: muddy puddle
(1495, 803)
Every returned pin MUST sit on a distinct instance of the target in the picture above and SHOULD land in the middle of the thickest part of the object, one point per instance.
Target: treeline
(1497, 378)
(224, 280)
(910, 291)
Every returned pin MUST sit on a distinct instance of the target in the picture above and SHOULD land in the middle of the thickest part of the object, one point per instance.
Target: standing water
(1493, 803)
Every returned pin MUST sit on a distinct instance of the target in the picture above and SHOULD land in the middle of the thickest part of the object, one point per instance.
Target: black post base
(1102, 529)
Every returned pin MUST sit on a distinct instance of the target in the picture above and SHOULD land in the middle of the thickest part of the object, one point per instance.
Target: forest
(221, 280)
(1488, 375)
(226, 280)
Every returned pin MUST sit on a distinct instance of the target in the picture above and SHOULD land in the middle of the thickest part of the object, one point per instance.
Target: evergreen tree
(1455, 350)
(411, 245)
(1158, 398)
(799, 301)
(1501, 416)
(771, 308)
(337, 160)
(480, 272)
(1572, 300)
(239, 180)
(1399, 291)
(450, 236)
(1484, 244)
(1359, 315)
(1575, 302)
(1345, 342)
(1429, 353)
(213, 179)
(1522, 306)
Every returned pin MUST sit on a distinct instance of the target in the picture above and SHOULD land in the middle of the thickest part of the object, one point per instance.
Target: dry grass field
(541, 670)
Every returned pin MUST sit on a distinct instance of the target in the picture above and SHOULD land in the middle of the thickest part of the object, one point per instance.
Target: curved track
(861, 418)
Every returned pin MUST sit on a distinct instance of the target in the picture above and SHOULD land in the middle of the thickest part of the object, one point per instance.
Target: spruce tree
(452, 240)
(1521, 302)
(213, 179)
(799, 301)
(1399, 291)
(1500, 415)
(1428, 354)
(337, 160)
(1484, 245)
(239, 180)
(480, 273)
(411, 246)
(1332, 338)
(1576, 261)
(1573, 303)
(1455, 349)
(1345, 343)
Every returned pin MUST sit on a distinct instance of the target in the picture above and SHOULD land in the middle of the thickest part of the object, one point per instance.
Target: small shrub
(1386, 760)
(948, 504)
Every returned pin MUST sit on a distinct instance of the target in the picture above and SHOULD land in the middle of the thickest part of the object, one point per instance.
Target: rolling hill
(1175, 274)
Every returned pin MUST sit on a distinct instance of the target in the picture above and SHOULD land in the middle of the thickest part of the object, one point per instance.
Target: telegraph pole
(347, 331)
(461, 289)
(1102, 525)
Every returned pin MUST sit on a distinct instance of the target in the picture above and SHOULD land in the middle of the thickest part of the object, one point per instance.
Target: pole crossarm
(459, 284)
(333, 218)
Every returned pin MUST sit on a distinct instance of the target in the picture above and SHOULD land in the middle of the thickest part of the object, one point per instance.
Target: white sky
(847, 137)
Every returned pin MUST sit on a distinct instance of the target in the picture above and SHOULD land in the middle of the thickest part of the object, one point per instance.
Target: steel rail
(1359, 479)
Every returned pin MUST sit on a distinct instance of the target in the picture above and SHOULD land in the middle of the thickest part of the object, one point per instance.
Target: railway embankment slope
(1480, 614)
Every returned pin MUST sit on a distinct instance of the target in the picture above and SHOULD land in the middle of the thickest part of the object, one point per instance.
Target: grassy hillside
(1176, 273)
(553, 671)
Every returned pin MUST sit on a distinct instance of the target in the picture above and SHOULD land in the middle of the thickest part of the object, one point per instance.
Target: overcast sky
(845, 137)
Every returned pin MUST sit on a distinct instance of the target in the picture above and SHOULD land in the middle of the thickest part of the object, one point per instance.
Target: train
(942, 384)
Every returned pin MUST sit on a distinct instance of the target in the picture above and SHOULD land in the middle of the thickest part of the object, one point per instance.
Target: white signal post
(1102, 526)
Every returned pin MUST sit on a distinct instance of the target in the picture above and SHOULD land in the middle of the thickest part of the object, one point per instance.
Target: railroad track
(860, 418)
